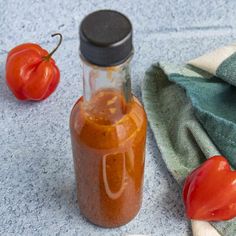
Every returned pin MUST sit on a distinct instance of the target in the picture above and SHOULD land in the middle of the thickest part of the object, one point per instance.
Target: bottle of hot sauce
(108, 124)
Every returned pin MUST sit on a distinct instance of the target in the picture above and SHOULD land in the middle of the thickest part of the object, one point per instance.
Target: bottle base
(112, 224)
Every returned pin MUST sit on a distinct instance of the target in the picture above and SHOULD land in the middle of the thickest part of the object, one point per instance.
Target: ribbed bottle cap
(106, 38)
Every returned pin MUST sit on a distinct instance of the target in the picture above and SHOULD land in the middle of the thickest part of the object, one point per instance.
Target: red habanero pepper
(31, 72)
(209, 192)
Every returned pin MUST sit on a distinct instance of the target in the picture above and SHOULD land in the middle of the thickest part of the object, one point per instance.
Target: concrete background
(37, 187)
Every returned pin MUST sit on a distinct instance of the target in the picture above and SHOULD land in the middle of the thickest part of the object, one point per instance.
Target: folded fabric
(192, 113)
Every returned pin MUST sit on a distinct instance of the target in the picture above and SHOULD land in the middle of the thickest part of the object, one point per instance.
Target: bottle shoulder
(131, 125)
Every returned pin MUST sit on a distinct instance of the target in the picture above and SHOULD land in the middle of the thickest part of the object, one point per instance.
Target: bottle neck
(115, 78)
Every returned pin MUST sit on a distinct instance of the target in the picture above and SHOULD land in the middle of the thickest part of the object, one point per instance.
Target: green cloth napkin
(193, 115)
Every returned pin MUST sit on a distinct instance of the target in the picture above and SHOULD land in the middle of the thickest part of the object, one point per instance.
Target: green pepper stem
(58, 45)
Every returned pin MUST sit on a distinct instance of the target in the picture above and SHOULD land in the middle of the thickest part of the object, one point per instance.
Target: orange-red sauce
(108, 140)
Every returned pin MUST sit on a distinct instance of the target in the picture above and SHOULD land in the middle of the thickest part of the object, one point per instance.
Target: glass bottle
(108, 124)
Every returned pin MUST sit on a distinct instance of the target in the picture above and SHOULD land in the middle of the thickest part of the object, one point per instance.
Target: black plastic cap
(106, 38)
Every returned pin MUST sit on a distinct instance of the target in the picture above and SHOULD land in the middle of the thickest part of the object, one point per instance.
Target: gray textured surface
(37, 188)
